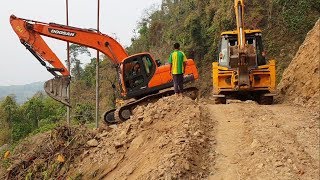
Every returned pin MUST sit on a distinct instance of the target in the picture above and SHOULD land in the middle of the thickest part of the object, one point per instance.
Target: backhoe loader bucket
(57, 88)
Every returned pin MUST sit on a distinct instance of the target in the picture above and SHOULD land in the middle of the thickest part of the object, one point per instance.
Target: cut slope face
(300, 81)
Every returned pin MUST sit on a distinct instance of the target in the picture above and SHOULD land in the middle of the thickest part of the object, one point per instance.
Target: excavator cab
(137, 72)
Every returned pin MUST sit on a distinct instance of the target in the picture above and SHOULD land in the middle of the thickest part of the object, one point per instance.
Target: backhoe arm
(239, 11)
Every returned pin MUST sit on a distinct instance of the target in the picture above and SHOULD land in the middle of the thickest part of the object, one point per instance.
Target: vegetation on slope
(197, 25)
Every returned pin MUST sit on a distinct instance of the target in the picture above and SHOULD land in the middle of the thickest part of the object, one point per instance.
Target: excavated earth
(162, 140)
(300, 84)
(180, 138)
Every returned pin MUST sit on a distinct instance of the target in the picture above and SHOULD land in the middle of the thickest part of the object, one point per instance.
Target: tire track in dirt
(266, 142)
(228, 134)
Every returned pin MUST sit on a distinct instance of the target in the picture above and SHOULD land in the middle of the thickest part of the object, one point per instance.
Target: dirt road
(265, 142)
(179, 138)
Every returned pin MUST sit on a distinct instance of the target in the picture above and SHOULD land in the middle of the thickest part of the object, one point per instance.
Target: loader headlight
(228, 80)
(257, 78)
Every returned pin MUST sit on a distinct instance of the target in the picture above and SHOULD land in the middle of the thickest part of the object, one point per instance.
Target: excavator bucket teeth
(57, 88)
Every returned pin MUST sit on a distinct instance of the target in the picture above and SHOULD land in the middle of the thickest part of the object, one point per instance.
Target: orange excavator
(140, 77)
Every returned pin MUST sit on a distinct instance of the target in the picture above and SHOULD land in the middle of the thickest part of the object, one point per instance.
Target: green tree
(84, 113)
(89, 73)
(5, 130)
(75, 51)
(33, 110)
(10, 108)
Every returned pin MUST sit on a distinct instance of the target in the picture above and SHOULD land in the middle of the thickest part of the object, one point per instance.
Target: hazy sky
(18, 66)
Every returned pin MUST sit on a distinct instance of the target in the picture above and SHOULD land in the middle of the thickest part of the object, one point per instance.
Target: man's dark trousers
(178, 83)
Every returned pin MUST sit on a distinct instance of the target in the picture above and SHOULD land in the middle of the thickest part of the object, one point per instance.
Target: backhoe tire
(220, 100)
(265, 100)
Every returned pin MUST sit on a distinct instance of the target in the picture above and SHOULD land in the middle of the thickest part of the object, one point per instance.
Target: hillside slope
(301, 80)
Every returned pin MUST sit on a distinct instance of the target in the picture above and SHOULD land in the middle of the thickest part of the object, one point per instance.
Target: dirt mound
(48, 155)
(300, 81)
(160, 141)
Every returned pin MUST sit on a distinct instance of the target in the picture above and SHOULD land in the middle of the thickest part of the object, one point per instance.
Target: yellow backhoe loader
(242, 71)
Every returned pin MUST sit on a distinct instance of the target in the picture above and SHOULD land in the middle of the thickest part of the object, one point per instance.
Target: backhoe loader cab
(228, 54)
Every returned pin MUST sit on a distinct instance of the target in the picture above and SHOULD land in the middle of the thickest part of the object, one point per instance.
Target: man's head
(136, 66)
(176, 46)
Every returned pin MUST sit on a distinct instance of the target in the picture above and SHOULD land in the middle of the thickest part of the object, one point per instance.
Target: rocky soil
(163, 140)
(265, 142)
(300, 83)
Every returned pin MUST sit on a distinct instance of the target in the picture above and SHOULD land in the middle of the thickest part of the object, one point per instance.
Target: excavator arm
(30, 34)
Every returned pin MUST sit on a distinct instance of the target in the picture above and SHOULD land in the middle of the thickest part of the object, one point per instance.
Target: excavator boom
(30, 34)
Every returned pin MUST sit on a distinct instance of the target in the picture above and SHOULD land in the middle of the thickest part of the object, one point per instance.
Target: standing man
(177, 61)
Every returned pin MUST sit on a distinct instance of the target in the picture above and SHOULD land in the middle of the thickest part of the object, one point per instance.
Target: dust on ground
(180, 138)
(47, 155)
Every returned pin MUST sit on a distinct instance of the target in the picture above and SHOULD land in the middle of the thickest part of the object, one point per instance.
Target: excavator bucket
(57, 88)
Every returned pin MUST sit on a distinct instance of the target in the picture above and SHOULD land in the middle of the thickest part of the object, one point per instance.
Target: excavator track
(123, 113)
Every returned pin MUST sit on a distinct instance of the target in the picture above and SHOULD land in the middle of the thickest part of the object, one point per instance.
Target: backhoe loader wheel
(265, 100)
(220, 100)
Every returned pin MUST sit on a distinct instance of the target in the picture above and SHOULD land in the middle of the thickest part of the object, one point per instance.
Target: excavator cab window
(228, 56)
(138, 71)
(147, 64)
(133, 74)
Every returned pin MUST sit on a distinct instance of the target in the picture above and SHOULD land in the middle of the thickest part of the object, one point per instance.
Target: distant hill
(21, 92)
